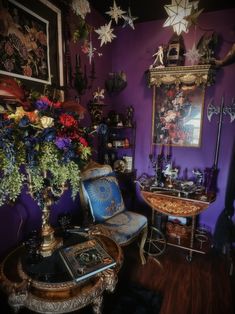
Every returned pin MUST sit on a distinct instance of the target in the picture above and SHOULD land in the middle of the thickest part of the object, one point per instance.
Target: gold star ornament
(105, 34)
(177, 11)
(115, 12)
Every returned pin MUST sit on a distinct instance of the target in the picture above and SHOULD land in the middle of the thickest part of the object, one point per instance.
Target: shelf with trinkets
(119, 141)
(117, 148)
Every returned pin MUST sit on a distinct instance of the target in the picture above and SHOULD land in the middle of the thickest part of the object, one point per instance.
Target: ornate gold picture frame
(178, 115)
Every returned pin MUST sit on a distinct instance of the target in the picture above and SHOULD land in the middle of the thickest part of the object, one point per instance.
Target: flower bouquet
(43, 149)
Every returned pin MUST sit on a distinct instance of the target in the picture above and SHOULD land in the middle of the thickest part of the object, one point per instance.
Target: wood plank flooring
(202, 286)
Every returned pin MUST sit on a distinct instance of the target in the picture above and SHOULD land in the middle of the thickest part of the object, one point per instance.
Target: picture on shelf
(86, 259)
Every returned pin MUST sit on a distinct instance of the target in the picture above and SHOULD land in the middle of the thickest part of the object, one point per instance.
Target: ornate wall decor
(198, 74)
(32, 42)
(178, 103)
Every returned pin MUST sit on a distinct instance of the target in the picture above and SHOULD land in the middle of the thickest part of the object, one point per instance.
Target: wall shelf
(189, 75)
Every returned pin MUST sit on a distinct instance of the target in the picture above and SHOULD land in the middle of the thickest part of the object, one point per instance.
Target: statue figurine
(159, 58)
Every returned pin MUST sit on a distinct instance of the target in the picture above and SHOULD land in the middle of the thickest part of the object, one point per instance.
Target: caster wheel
(155, 244)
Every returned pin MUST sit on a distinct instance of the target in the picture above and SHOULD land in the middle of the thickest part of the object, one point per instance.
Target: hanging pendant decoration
(177, 12)
(115, 12)
(105, 34)
(129, 19)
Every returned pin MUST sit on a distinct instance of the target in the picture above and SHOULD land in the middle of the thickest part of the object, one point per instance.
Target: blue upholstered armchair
(103, 204)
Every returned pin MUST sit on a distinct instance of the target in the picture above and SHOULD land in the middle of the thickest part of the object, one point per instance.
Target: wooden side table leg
(97, 305)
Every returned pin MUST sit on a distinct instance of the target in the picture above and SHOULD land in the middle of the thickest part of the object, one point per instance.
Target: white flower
(81, 7)
(46, 122)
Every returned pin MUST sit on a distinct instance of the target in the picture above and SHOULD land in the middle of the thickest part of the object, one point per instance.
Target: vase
(49, 242)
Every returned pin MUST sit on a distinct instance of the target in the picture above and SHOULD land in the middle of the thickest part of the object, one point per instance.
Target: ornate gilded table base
(92, 296)
(57, 297)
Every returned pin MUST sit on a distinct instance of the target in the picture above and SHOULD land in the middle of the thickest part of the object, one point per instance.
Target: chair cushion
(125, 226)
(104, 197)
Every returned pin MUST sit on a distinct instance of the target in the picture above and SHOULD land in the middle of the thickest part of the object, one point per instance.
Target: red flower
(67, 120)
(56, 105)
(83, 141)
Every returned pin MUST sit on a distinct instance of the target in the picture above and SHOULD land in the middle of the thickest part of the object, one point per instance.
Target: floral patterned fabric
(125, 226)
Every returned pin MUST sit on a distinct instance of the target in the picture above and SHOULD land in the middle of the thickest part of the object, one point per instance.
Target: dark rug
(135, 299)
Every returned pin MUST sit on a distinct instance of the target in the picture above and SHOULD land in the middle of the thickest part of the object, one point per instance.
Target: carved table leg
(17, 301)
(97, 305)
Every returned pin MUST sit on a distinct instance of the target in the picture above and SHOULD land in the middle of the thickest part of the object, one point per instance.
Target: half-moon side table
(167, 204)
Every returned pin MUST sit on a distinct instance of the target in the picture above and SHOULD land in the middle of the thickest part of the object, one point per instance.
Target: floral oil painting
(24, 47)
(177, 115)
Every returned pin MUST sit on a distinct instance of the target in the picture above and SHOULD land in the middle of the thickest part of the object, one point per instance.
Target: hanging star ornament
(105, 34)
(129, 19)
(115, 12)
(192, 18)
(193, 55)
(177, 11)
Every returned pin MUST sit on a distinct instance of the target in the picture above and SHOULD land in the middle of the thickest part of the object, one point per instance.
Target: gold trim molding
(189, 75)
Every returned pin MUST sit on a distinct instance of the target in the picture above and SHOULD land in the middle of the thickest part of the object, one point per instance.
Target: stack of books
(86, 259)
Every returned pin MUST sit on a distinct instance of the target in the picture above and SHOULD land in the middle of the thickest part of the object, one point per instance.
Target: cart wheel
(155, 243)
(189, 258)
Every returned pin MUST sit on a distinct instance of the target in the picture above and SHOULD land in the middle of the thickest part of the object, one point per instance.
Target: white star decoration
(129, 19)
(193, 55)
(177, 11)
(115, 12)
(105, 34)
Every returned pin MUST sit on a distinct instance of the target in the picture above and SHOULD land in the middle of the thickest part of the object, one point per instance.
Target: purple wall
(18, 220)
(132, 52)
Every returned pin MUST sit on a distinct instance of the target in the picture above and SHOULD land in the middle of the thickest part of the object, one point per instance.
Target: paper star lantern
(177, 11)
(193, 55)
(105, 34)
(115, 12)
(129, 19)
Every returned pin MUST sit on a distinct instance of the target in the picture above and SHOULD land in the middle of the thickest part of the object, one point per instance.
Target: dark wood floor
(202, 286)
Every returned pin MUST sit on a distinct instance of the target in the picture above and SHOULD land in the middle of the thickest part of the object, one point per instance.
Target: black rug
(135, 299)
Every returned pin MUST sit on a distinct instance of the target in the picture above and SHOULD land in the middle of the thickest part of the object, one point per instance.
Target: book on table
(86, 259)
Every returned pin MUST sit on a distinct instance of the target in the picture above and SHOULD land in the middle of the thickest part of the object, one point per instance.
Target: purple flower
(62, 143)
(41, 105)
(48, 135)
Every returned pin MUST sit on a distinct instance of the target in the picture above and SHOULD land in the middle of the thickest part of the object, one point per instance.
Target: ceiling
(149, 10)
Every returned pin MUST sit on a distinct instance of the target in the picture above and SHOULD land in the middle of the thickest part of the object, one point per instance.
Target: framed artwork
(31, 42)
(177, 115)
